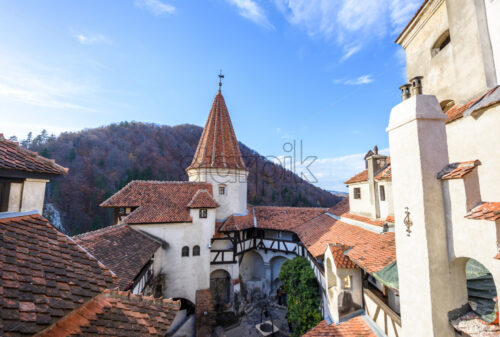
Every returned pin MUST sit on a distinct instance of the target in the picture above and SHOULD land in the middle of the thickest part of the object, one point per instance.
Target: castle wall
(184, 275)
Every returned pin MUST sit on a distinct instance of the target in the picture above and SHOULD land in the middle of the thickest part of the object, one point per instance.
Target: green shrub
(303, 296)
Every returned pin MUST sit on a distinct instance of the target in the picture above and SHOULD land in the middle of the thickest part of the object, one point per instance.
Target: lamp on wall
(408, 223)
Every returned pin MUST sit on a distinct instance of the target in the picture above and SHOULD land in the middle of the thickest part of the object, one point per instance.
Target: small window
(185, 251)
(382, 193)
(357, 193)
(196, 251)
(121, 211)
(347, 282)
(441, 43)
(222, 189)
(4, 196)
(203, 213)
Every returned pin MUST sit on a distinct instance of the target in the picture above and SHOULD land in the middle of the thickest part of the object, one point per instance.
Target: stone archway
(473, 288)
(220, 286)
(276, 263)
(252, 267)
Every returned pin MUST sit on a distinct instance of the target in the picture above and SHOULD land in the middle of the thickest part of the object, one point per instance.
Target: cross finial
(221, 76)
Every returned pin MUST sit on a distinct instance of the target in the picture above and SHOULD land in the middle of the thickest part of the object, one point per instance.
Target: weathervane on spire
(221, 76)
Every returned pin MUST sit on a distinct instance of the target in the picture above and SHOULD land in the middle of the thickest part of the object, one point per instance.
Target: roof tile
(202, 199)
(218, 146)
(49, 274)
(121, 248)
(354, 327)
(14, 157)
(120, 314)
(485, 211)
(157, 201)
(458, 170)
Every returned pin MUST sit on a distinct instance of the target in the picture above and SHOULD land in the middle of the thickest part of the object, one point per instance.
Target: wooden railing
(386, 319)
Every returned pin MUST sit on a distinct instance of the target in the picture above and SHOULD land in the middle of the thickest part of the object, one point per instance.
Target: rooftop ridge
(97, 231)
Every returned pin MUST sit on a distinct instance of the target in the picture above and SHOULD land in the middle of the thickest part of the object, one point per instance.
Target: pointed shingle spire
(218, 146)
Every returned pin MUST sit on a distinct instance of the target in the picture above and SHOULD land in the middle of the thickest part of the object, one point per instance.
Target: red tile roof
(218, 146)
(271, 217)
(284, 218)
(202, 199)
(360, 177)
(120, 314)
(157, 201)
(457, 111)
(390, 218)
(44, 275)
(340, 258)
(354, 327)
(485, 211)
(370, 250)
(374, 222)
(122, 249)
(458, 170)
(340, 208)
(14, 157)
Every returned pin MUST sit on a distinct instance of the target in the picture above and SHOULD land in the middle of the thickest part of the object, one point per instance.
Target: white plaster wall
(386, 207)
(33, 195)
(360, 206)
(184, 275)
(493, 15)
(464, 68)
(469, 139)
(15, 194)
(235, 199)
(417, 138)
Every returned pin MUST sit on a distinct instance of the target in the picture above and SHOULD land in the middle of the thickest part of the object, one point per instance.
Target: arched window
(441, 43)
(447, 104)
(185, 251)
(196, 251)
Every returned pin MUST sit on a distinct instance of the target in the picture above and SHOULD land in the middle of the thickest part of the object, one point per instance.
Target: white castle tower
(218, 161)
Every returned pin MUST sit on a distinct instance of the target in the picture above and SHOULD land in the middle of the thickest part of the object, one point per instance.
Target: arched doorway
(474, 289)
(220, 286)
(252, 267)
(276, 263)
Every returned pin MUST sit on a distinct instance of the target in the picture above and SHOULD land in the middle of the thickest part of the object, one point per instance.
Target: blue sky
(324, 72)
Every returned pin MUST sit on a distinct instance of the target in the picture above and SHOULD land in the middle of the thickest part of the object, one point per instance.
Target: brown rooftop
(122, 249)
(45, 275)
(218, 146)
(14, 157)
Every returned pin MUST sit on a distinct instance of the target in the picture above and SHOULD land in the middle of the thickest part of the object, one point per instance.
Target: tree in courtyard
(303, 297)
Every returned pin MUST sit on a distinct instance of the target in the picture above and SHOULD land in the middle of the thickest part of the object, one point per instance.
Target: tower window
(203, 213)
(222, 189)
(441, 43)
(382, 193)
(196, 251)
(185, 251)
(357, 193)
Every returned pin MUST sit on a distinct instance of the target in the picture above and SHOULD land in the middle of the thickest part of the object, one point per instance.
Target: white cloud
(363, 79)
(332, 172)
(250, 10)
(92, 39)
(351, 23)
(35, 84)
(156, 7)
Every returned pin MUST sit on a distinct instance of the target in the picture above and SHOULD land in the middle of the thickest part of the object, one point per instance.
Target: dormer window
(357, 193)
(222, 189)
(441, 43)
(347, 282)
(4, 195)
(382, 193)
(203, 213)
(122, 211)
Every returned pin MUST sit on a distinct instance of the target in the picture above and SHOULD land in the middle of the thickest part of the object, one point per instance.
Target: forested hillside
(103, 160)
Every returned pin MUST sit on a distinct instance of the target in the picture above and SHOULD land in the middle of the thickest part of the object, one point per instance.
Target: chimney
(416, 85)
(405, 91)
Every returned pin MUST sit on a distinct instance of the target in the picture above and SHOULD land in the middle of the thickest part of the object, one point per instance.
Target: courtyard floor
(250, 319)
